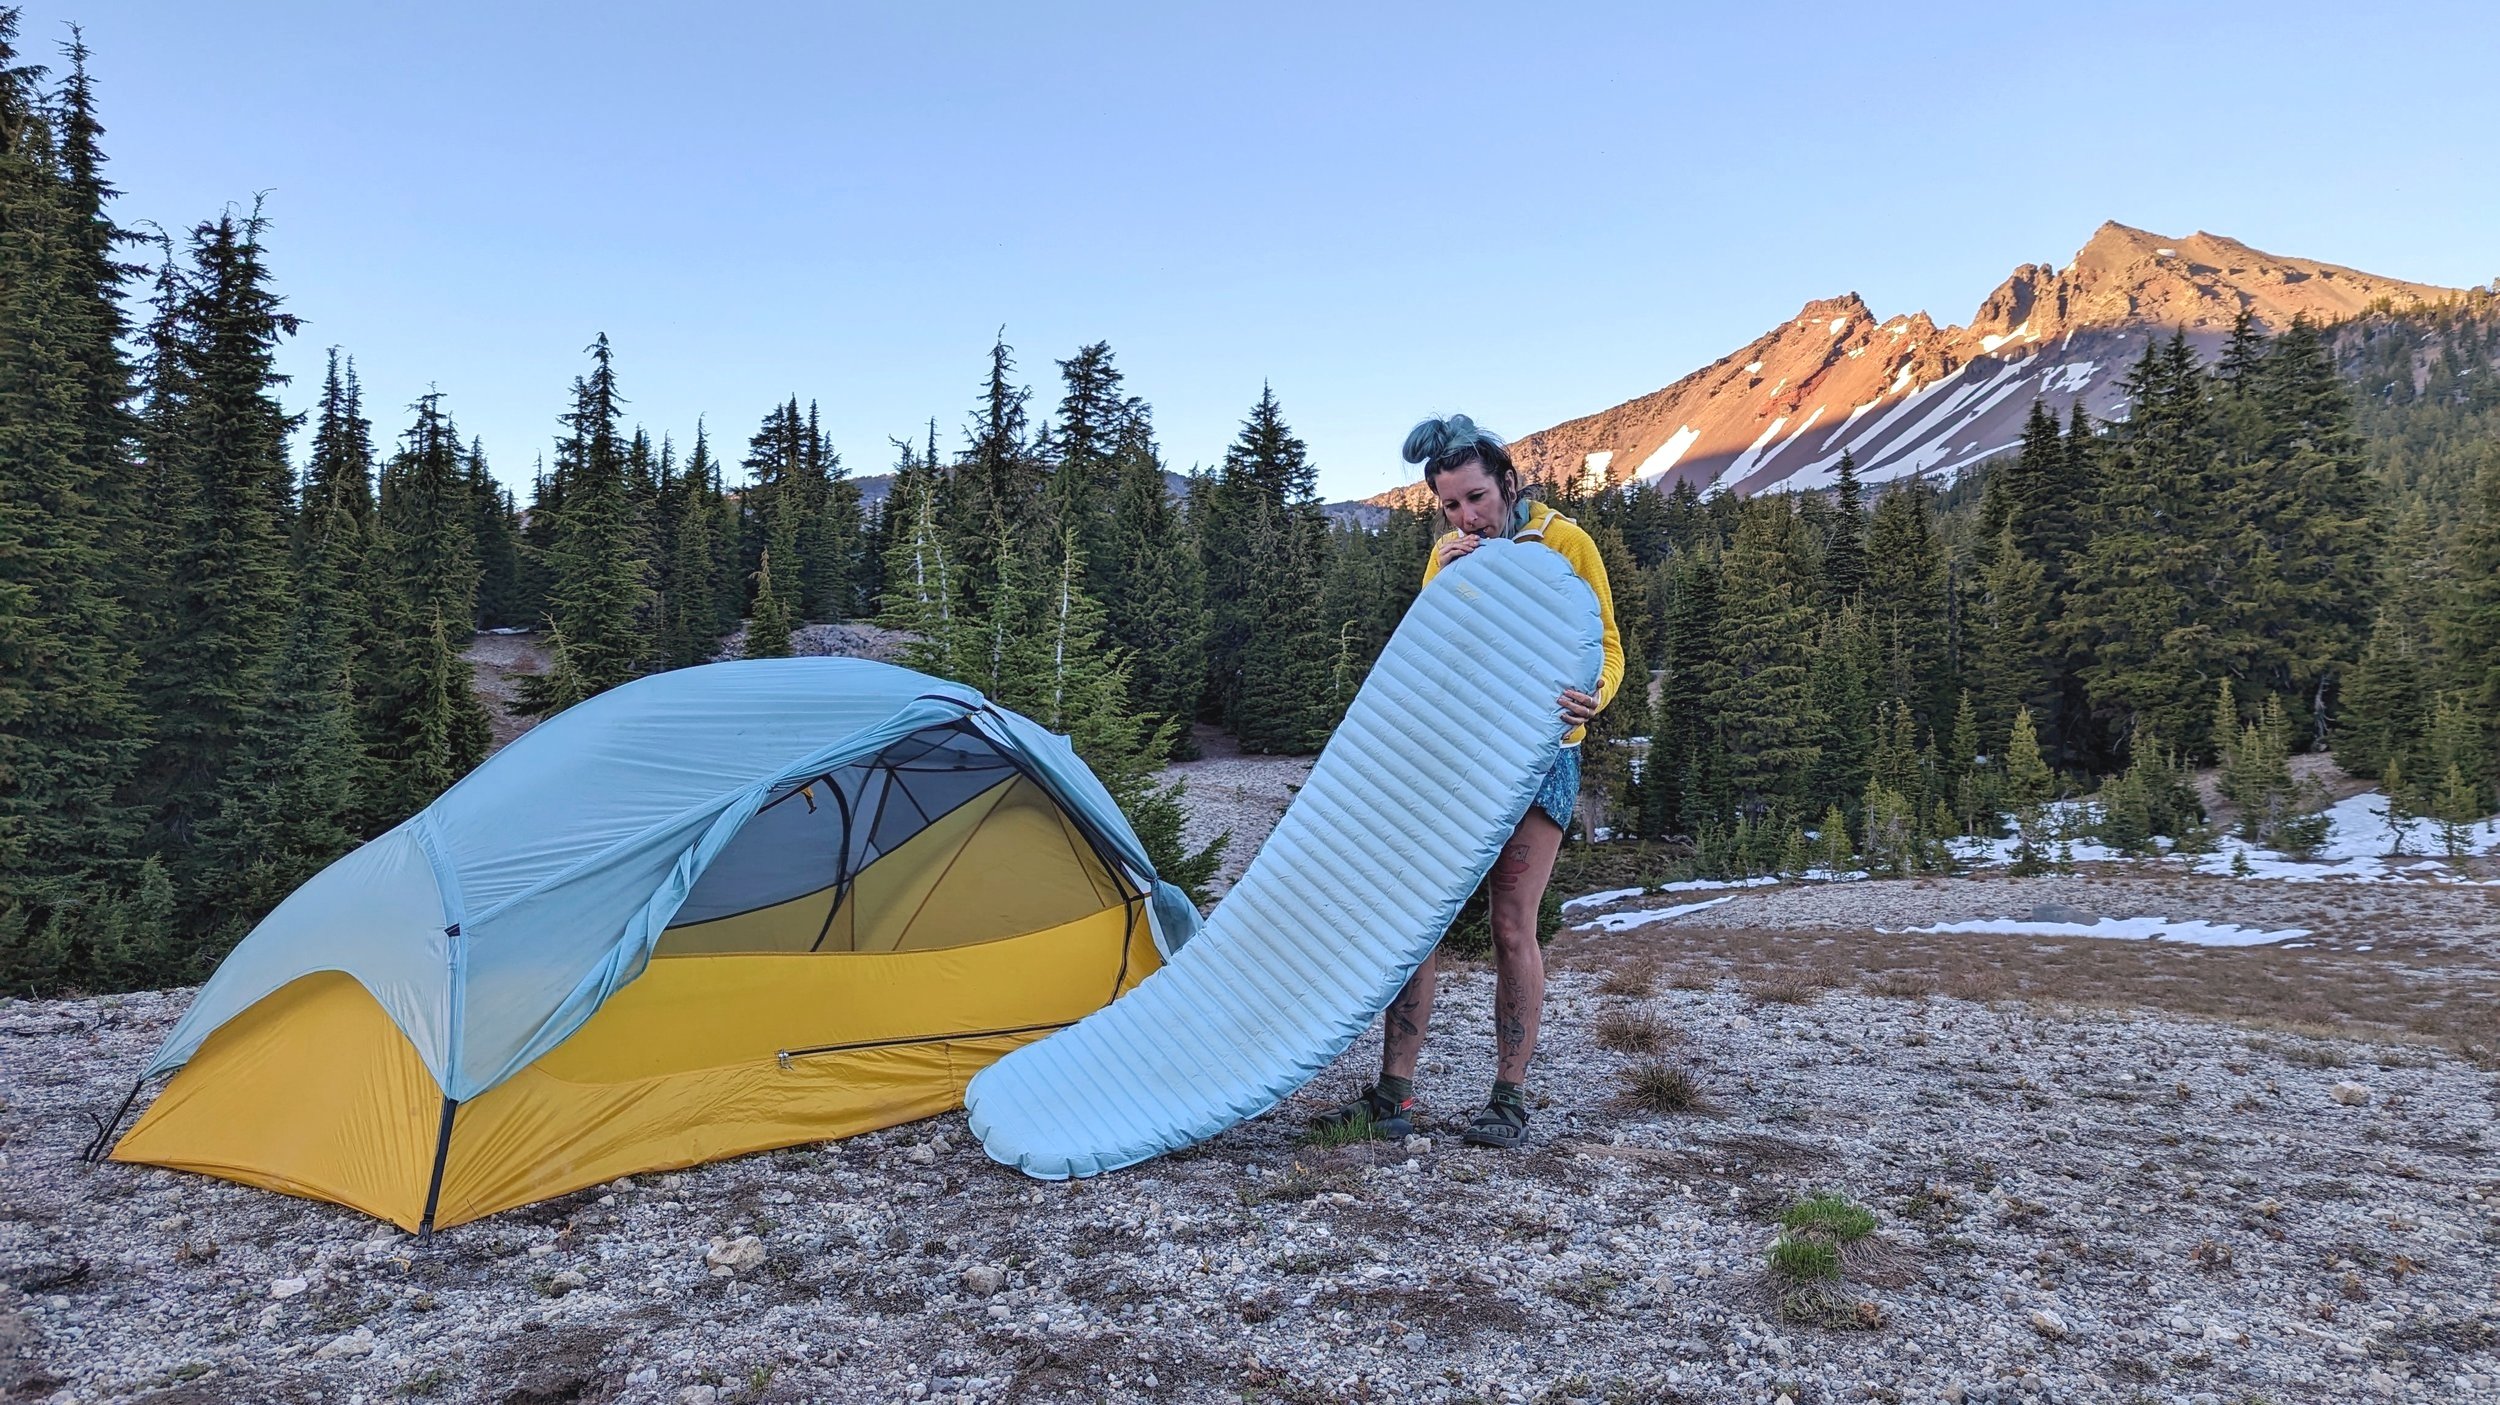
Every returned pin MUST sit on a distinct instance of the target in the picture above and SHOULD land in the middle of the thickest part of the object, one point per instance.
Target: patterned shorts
(1560, 795)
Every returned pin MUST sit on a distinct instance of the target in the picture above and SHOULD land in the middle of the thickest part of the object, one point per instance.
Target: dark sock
(1508, 1095)
(1395, 1089)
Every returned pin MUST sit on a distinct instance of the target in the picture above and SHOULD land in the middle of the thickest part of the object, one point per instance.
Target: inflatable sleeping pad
(1405, 811)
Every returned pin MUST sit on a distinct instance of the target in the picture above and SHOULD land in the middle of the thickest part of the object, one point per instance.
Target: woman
(1471, 473)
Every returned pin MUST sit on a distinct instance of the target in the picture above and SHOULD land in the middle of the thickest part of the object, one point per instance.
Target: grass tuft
(1633, 1031)
(1823, 1240)
(1636, 980)
(1805, 1259)
(1900, 985)
(1657, 1086)
(1784, 990)
(1348, 1133)
(1825, 1214)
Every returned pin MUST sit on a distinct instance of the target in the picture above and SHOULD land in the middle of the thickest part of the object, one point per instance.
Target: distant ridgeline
(220, 669)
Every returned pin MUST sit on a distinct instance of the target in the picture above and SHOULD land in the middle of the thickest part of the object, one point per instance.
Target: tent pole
(841, 858)
(104, 1134)
(434, 1183)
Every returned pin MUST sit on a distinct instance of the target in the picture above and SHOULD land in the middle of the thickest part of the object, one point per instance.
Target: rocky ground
(2099, 1171)
(1228, 792)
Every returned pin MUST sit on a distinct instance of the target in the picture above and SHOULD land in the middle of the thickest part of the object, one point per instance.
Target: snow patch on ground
(1623, 921)
(2160, 929)
(1611, 895)
(1712, 885)
(1687, 885)
(2361, 847)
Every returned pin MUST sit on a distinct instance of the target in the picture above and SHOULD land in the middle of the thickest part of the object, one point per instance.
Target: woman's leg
(1519, 878)
(1402, 1027)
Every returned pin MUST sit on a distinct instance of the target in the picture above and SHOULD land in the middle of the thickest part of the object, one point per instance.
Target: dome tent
(709, 912)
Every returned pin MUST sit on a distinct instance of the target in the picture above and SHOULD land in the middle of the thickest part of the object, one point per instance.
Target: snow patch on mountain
(1660, 463)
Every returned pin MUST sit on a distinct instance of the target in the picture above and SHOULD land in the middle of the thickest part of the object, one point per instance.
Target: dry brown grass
(1636, 979)
(2315, 994)
(1900, 985)
(1667, 1089)
(1797, 987)
(1634, 1031)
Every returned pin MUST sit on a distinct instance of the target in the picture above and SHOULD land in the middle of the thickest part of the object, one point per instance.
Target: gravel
(1230, 792)
(2072, 1205)
(2076, 1207)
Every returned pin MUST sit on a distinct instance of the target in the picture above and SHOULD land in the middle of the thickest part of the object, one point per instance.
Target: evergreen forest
(232, 633)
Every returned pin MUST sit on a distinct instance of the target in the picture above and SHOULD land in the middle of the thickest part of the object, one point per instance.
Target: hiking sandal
(1384, 1119)
(1502, 1125)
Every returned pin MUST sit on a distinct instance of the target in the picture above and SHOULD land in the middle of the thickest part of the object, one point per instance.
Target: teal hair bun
(1443, 439)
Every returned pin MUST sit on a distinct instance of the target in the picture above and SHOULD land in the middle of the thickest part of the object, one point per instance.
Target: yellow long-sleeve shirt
(1577, 547)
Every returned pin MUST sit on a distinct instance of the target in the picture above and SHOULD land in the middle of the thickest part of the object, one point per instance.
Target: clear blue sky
(1526, 212)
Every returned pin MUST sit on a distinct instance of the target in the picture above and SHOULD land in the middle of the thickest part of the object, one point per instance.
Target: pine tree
(2468, 627)
(1283, 702)
(1266, 474)
(499, 599)
(423, 724)
(595, 572)
(831, 542)
(2142, 607)
(1766, 633)
(768, 633)
(1844, 556)
(2028, 780)
(921, 596)
(70, 727)
(2306, 506)
(1834, 843)
(1159, 609)
(1685, 752)
(229, 596)
(994, 493)
(292, 804)
(2257, 775)
(341, 468)
(688, 611)
(2013, 658)
(2385, 701)
(1046, 657)
(1905, 599)
(706, 497)
(1098, 433)
(1841, 712)
(2455, 761)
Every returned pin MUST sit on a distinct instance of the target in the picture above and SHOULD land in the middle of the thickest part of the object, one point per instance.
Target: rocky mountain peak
(1906, 397)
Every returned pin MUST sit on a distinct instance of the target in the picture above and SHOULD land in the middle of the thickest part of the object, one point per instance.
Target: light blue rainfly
(1440, 755)
(494, 922)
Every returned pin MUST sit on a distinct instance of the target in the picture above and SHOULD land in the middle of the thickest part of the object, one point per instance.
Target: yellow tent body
(866, 1001)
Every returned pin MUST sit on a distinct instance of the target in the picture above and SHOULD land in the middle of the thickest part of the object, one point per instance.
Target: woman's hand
(1455, 548)
(1578, 708)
